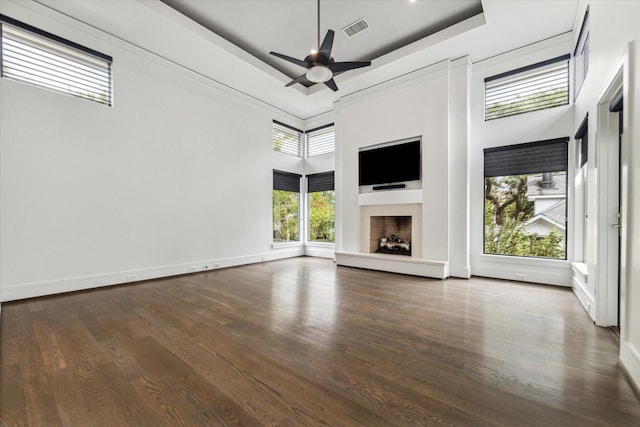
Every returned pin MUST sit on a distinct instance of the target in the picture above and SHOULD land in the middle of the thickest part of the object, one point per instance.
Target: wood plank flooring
(302, 342)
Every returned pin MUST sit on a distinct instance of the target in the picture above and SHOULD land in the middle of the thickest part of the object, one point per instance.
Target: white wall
(170, 178)
(416, 105)
(613, 37)
(540, 125)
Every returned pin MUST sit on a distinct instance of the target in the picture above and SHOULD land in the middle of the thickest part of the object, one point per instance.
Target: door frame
(611, 197)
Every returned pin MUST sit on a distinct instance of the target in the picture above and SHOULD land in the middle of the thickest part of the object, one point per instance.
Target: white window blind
(287, 139)
(321, 141)
(581, 55)
(32, 56)
(535, 87)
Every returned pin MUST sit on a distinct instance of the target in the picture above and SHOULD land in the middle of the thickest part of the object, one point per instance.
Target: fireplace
(390, 235)
(403, 220)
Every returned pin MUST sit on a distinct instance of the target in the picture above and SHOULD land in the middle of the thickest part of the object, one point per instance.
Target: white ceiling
(228, 41)
(291, 27)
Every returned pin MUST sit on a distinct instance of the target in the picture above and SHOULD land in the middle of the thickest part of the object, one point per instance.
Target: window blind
(583, 136)
(581, 55)
(287, 139)
(33, 56)
(531, 88)
(286, 181)
(533, 157)
(324, 181)
(321, 141)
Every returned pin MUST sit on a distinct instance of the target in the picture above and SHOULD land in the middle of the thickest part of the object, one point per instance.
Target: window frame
(320, 133)
(581, 56)
(582, 170)
(288, 131)
(504, 83)
(288, 182)
(318, 183)
(532, 160)
(80, 61)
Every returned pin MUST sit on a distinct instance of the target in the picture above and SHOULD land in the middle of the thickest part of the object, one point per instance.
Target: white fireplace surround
(412, 210)
(414, 264)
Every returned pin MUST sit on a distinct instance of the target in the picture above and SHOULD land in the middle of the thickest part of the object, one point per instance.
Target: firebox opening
(390, 235)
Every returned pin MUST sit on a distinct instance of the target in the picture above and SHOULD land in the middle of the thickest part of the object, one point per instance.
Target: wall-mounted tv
(390, 164)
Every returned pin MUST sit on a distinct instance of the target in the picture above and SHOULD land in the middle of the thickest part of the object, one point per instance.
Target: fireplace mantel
(390, 197)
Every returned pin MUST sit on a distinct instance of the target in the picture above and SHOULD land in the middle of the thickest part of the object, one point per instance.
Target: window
(286, 206)
(321, 207)
(582, 185)
(525, 199)
(535, 87)
(581, 55)
(321, 141)
(287, 139)
(33, 56)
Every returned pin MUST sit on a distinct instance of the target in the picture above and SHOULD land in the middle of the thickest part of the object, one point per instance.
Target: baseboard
(72, 284)
(319, 252)
(630, 365)
(460, 272)
(585, 299)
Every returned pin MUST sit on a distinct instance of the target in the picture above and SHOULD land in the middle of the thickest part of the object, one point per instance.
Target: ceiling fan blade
(339, 67)
(298, 79)
(290, 59)
(327, 45)
(332, 85)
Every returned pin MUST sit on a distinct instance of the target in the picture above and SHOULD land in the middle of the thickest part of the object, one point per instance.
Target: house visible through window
(33, 56)
(525, 199)
(535, 87)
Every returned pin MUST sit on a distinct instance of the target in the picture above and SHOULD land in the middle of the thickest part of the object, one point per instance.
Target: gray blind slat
(286, 181)
(581, 55)
(324, 181)
(41, 59)
(321, 141)
(533, 157)
(532, 88)
(287, 140)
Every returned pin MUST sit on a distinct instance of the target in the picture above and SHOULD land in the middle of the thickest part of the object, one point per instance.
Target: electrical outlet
(216, 265)
(521, 276)
(131, 277)
(193, 269)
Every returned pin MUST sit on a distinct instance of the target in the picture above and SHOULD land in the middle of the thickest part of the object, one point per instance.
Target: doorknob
(616, 225)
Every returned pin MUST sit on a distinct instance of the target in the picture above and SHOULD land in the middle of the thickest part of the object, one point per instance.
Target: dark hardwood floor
(303, 342)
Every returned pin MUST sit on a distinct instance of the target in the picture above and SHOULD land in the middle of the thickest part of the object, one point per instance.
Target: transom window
(532, 88)
(35, 57)
(321, 141)
(287, 139)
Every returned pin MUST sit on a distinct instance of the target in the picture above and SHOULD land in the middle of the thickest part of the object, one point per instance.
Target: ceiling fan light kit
(321, 67)
(319, 74)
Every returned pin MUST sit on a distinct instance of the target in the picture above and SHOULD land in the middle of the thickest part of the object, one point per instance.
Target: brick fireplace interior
(386, 226)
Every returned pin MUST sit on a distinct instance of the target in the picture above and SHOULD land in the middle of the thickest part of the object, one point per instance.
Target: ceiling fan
(321, 67)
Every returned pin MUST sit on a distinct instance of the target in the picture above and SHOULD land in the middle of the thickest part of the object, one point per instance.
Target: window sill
(522, 260)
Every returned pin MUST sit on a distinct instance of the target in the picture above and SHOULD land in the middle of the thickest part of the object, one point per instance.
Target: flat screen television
(390, 164)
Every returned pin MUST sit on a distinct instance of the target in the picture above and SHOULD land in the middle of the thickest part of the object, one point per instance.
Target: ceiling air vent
(357, 27)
